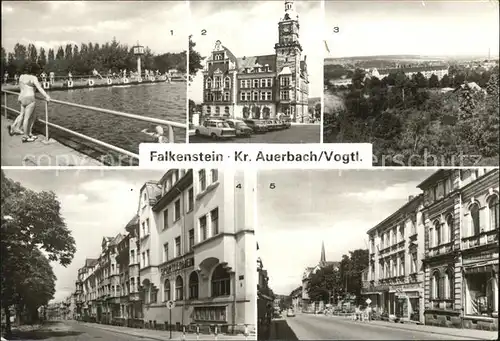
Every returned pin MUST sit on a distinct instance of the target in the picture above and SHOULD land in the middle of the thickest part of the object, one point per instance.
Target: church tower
(322, 261)
(288, 55)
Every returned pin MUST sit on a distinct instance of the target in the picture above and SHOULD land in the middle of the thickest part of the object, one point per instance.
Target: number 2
(203, 32)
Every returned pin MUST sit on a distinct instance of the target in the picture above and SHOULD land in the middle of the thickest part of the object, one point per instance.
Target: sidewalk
(473, 334)
(39, 153)
(164, 335)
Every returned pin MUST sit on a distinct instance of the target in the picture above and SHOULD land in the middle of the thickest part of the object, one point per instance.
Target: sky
(338, 207)
(52, 23)
(94, 204)
(441, 28)
(250, 28)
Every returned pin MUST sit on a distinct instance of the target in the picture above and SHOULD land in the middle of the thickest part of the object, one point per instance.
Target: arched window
(208, 84)
(209, 110)
(226, 111)
(179, 289)
(267, 112)
(255, 112)
(246, 112)
(493, 212)
(474, 219)
(435, 285)
(227, 82)
(166, 291)
(217, 111)
(437, 231)
(450, 227)
(221, 282)
(193, 285)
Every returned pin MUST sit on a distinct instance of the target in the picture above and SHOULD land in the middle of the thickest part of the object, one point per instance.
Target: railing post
(5, 103)
(171, 138)
(46, 121)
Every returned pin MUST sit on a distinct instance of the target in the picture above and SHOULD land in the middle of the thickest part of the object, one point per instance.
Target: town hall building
(273, 86)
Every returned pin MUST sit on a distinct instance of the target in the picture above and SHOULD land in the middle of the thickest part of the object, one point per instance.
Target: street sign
(170, 304)
(368, 301)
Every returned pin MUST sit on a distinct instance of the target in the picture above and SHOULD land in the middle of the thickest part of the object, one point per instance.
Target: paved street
(320, 327)
(79, 331)
(308, 133)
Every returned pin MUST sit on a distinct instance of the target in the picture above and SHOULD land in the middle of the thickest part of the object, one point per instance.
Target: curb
(394, 326)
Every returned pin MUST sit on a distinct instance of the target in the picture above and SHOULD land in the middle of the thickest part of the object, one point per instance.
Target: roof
(286, 71)
(253, 61)
(431, 179)
(133, 222)
(152, 189)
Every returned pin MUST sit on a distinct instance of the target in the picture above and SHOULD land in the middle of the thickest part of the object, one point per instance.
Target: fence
(121, 151)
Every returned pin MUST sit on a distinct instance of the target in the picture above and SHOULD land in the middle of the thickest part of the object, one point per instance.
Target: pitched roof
(252, 61)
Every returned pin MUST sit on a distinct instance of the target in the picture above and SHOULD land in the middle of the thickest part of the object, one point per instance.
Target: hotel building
(394, 282)
(461, 215)
(197, 249)
(272, 86)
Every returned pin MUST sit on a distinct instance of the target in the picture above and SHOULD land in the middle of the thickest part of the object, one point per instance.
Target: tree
(195, 59)
(445, 81)
(324, 284)
(42, 61)
(31, 221)
(351, 271)
(433, 81)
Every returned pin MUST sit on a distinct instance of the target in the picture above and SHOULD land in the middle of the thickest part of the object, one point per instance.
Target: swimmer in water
(158, 133)
(27, 84)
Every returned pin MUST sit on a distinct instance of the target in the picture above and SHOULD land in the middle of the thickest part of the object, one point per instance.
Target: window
(255, 83)
(179, 289)
(394, 268)
(203, 228)
(227, 82)
(413, 264)
(437, 232)
(382, 241)
(448, 284)
(255, 96)
(217, 82)
(177, 246)
(262, 83)
(147, 226)
(226, 97)
(132, 256)
(190, 199)
(431, 237)
(214, 216)
(474, 218)
(203, 180)
(208, 84)
(285, 95)
(153, 295)
(268, 95)
(191, 239)
(450, 228)
(493, 212)
(394, 236)
(147, 258)
(381, 269)
(221, 282)
(436, 292)
(143, 229)
(132, 284)
(166, 290)
(193, 285)
(285, 81)
(217, 109)
(214, 175)
(177, 210)
(401, 233)
(165, 219)
(165, 252)
(402, 266)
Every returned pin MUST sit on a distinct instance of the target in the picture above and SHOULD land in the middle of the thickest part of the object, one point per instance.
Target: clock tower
(288, 56)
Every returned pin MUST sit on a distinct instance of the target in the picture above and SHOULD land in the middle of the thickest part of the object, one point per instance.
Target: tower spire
(323, 256)
(290, 13)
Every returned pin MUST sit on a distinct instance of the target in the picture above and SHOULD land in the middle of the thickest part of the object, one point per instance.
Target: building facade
(394, 282)
(461, 248)
(191, 246)
(265, 298)
(272, 86)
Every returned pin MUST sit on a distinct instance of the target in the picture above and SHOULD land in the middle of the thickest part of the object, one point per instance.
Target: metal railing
(169, 124)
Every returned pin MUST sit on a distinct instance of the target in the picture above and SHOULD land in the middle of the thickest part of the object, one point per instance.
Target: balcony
(443, 304)
(483, 238)
(440, 249)
(221, 247)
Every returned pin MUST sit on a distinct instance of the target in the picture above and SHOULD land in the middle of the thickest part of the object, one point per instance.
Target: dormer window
(208, 84)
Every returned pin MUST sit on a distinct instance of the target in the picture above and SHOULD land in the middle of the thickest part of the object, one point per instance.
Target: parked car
(216, 129)
(256, 126)
(280, 124)
(241, 128)
(272, 125)
(290, 313)
(287, 123)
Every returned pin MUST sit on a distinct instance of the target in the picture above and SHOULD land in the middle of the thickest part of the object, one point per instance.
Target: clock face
(286, 29)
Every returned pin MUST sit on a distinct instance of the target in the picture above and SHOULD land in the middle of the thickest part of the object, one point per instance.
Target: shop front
(408, 307)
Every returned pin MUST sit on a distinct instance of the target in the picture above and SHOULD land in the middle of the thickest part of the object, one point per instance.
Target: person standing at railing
(5, 77)
(43, 76)
(52, 77)
(16, 78)
(27, 84)
(70, 76)
(96, 74)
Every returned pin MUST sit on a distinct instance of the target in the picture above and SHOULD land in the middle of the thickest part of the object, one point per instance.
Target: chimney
(305, 58)
(411, 197)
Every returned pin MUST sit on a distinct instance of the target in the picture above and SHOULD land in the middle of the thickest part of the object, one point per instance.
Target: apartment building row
(435, 260)
(191, 242)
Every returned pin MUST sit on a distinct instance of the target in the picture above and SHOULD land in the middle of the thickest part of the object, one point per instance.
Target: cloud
(393, 192)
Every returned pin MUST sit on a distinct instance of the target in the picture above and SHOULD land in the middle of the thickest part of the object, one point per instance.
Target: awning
(482, 268)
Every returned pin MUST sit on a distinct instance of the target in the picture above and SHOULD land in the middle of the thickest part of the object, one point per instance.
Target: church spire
(323, 255)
